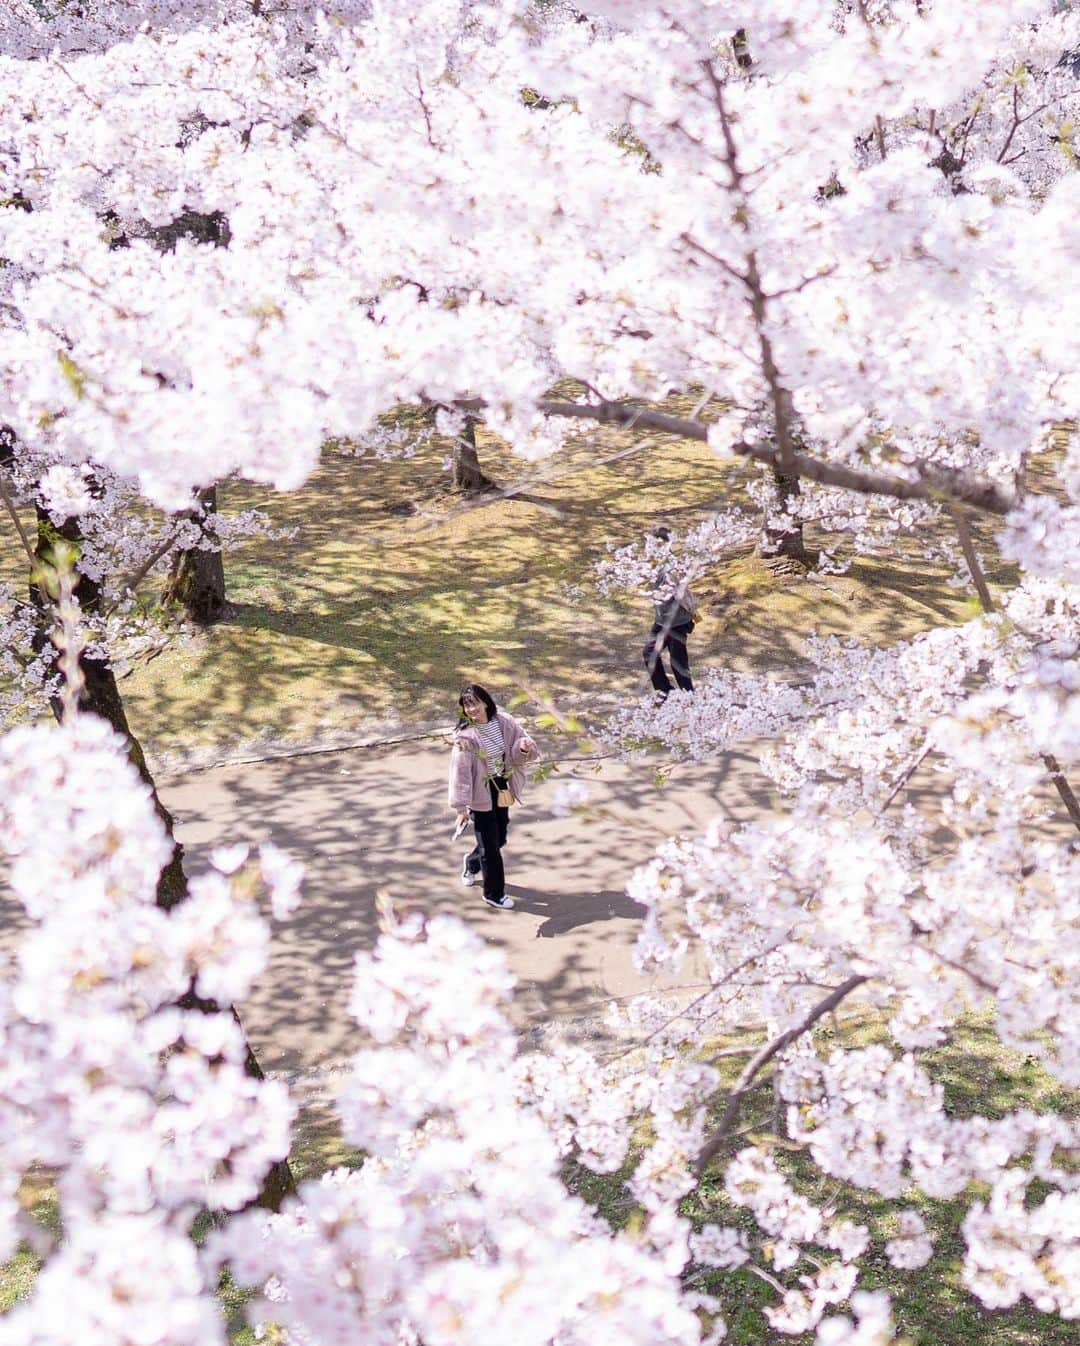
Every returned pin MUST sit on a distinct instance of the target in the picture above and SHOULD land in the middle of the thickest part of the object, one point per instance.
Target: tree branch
(986, 600)
(137, 576)
(9, 505)
(975, 570)
(932, 483)
(906, 775)
(746, 1080)
(1062, 786)
(783, 410)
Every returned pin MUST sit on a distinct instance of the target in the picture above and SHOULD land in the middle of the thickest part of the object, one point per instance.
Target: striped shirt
(491, 746)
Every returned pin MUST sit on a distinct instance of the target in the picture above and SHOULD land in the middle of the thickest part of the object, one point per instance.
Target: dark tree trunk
(197, 577)
(784, 530)
(469, 477)
(101, 695)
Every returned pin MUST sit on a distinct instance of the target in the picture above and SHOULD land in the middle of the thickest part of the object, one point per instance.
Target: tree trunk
(101, 695)
(783, 544)
(469, 477)
(197, 577)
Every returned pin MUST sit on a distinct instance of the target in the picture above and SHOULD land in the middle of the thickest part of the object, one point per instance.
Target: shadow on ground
(373, 823)
(564, 912)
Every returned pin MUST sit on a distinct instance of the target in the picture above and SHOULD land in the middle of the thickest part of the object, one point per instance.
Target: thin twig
(710, 990)
(906, 775)
(136, 578)
(979, 980)
(715, 258)
(10, 506)
(975, 570)
(769, 1280)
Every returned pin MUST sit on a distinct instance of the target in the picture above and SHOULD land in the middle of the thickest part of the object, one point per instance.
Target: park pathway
(374, 820)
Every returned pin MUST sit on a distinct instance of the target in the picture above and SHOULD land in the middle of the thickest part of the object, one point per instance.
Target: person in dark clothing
(674, 608)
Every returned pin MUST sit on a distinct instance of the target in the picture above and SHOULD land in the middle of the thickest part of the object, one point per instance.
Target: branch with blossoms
(978, 579)
(869, 1118)
(868, 719)
(929, 481)
(779, 1044)
(143, 1111)
(119, 544)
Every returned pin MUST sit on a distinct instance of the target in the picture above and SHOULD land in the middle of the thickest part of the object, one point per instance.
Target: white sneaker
(503, 903)
(468, 878)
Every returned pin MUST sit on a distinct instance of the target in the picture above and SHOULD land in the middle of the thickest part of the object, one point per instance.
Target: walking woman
(490, 750)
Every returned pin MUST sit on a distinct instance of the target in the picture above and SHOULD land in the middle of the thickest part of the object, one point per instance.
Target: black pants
(486, 856)
(674, 641)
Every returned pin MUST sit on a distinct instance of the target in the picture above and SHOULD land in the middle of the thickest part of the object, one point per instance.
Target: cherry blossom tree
(120, 547)
(853, 229)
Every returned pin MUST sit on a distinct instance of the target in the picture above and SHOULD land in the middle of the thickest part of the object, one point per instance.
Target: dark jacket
(676, 606)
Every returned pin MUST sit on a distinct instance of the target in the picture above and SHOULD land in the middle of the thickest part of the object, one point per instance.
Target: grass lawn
(394, 591)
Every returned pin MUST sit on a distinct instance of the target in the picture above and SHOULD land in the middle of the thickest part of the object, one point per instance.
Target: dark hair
(474, 690)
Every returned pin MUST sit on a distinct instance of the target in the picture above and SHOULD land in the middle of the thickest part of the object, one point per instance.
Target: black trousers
(674, 641)
(485, 857)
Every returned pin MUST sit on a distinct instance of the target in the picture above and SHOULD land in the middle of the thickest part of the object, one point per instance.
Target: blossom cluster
(293, 125)
(142, 1111)
(457, 1226)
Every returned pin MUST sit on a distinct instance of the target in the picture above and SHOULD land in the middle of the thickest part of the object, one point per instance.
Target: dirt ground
(374, 821)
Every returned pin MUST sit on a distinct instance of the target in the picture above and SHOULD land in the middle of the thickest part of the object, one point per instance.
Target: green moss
(39, 1201)
(17, 1278)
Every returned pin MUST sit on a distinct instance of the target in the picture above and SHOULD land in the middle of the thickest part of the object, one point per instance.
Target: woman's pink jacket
(469, 772)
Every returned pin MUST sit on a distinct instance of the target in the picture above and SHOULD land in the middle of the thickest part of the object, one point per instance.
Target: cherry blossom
(457, 1225)
(235, 232)
(143, 1111)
